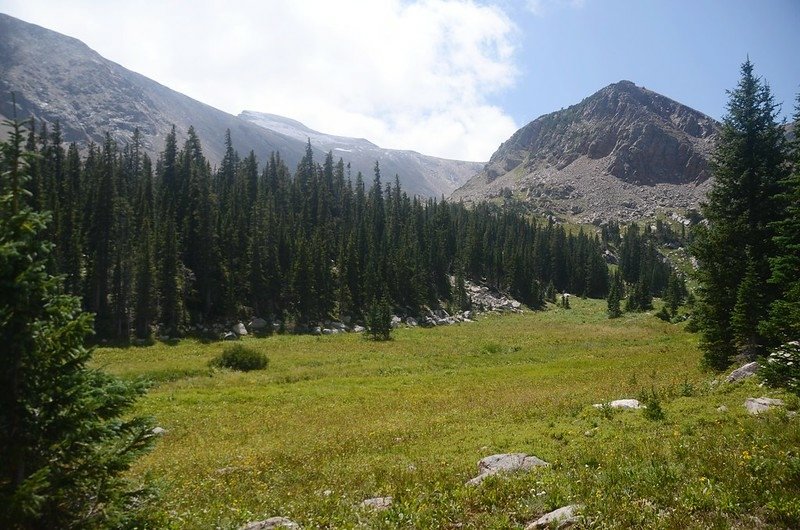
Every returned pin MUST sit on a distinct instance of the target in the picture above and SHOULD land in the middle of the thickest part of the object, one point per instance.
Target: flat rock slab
(271, 523)
(377, 503)
(505, 463)
(762, 404)
(621, 404)
(561, 518)
(742, 372)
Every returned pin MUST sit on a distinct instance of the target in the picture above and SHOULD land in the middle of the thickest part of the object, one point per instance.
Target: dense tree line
(749, 252)
(643, 271)
(176, 243)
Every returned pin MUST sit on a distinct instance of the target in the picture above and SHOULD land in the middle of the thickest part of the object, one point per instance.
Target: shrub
(652, 403)
(782, 368)
(663, 314)
(242, 358)
(491, 348)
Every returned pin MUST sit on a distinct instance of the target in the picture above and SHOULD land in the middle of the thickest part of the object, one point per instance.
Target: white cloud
(415, 75)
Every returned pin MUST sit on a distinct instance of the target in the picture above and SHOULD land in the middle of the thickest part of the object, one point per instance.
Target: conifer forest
(171, 245)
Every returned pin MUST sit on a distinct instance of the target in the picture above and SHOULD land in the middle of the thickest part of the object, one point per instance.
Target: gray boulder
(271, 523)
(562, 518)
(158, 431)
(756, 406)
(505, 463)
(230, 335)
(396, 321)
(239, 329)
(621, 404)
(258, 324)
(358, 329)
(377, 503)
(742, 372)
(411, 321)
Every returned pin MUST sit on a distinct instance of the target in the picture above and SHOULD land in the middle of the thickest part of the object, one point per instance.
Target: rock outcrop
(622, 153)
(756, 406)
(563, 517)
(742, 372)
(505, 463)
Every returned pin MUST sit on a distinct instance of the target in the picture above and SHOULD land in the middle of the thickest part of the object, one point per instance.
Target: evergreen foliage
(379, 321)
(242, 358)
(63, 439)
(615, 295)
(783, 321)
(743, 212)
(173, 246)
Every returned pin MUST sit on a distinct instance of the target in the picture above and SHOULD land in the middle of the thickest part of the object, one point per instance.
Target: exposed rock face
(419, 174)
(620, 153)
(55, 77)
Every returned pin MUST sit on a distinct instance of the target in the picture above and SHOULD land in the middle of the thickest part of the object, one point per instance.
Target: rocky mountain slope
(623, 153)
(55, 77)
(427, 175)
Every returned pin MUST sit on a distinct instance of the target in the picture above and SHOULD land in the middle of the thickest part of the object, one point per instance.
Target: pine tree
(783, 322)
(749, 165)
(64, 442)
(379, 321)
(615, 296)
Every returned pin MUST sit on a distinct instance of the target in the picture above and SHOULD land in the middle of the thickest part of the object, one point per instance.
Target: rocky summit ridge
(58, 78)
(622, 153)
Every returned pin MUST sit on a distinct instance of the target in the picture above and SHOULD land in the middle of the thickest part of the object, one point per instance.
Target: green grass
(337, 419)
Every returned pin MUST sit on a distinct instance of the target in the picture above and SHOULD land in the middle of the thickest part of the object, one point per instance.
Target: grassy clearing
(337, 419)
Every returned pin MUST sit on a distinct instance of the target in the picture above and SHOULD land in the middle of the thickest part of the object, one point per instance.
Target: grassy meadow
(334, 420)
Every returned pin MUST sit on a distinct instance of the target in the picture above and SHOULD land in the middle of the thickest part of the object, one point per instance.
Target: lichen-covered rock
(377, 503)
(756, 406)
(562, 518)
(505, 463)
(742, 372)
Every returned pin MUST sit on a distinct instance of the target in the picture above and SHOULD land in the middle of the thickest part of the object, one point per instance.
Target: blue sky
(451, 78)
(690, 51)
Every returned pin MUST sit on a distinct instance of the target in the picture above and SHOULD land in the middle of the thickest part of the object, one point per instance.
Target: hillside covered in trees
(173, 245)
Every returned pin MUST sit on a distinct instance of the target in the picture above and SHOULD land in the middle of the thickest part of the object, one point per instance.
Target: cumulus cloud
(414, 75)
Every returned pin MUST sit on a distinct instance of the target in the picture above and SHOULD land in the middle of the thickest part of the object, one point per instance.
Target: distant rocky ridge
(623, 153)
(59, 78)
(425, 175)
(55, 77)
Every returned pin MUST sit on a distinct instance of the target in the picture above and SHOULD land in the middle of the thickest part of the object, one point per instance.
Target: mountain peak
(619, 153)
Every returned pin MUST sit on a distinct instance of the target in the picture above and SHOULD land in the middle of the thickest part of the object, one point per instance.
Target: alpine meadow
(238, 322)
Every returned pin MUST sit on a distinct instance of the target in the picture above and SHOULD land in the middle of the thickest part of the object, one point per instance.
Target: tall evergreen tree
(783, 322)
(64, 441)
(742, 209)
